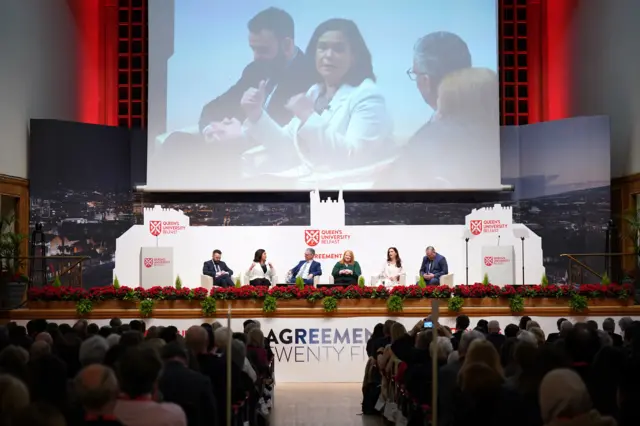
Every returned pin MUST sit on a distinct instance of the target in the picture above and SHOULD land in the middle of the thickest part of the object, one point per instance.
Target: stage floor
(315, 404)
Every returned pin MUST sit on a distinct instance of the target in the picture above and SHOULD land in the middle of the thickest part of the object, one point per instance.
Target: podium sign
(156, 267)
(498, 262)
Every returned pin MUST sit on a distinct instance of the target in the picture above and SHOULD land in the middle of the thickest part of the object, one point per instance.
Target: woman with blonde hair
(347, 270)
(483, 352)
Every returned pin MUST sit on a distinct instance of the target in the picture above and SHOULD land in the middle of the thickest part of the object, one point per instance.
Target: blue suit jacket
(439, 267)
(314, 269)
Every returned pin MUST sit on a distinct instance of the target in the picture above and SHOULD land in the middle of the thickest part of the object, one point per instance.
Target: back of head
(196, 339)
(563, 394)
(511, 331)
(424, 338)
(478, 377)
(131, 338)
(538, 334)
(440, 53)
(386, 328)
(95, 387)
(255, 337)
(609, 325)
(462, 322)
(93, 350)
(174, 350)
(467, 339)
(531, 324)
(138, 370)
(222, 336)
(528, 337)
(493, 326)
(38, 349)
(238, 353)
(482, 351)
(397, 331)
(468, 96)
(14, 395)
(115, 322)
(523, 322)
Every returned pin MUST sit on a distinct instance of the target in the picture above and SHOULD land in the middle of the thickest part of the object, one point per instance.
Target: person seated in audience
(523, 322)
(96, 391)
(494, 336)
(511, 331)
(191, 390)
(306, 269)
(218, 270)
(139, 371)
(462, 323)
(392, 270)
(261, 273)
(448, 378)
(434, 266)
(14, 396)
(256, 353)
(564, 400)
(609, 326)
(552, 337)
(347, 270)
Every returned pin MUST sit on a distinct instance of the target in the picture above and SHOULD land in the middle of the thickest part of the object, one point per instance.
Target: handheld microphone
(498, 239)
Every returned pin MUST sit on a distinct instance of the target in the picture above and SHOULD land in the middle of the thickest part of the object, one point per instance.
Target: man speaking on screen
(277, 61)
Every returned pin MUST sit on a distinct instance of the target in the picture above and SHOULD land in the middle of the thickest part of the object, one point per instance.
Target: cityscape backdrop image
(81, 180)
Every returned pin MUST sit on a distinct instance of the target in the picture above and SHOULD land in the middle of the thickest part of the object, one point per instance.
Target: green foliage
(238, 283)
(605, 281)
(455, 303)
(544, 282)
(57, 282)
(578, 303)
(300, 283)
(421, 282)
(146, 308)
(10, 244)
(516, 303)
(270, 305)
(395, 303)
(485, 279)
(84, 307)
(330, 304)
(178, 283)
(209, 306)
(116, 283)
(361, 281)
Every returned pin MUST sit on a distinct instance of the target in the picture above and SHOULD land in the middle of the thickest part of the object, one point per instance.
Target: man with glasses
(434, 56)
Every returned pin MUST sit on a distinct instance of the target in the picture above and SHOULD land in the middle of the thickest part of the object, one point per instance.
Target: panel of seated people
(308, 271)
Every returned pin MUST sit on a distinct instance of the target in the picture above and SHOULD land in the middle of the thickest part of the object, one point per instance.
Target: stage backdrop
(80, 180)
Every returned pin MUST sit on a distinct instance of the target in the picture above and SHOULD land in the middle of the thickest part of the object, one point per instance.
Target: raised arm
(369, 129)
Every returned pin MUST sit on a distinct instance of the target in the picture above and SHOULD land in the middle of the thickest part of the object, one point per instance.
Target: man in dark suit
(277, 62)
(434, 265)
(553, 337)
(609, 326)
(307, 268)
(189, 389)
(218, 270)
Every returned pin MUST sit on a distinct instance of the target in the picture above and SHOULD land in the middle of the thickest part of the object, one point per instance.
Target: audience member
(609, 327)
(96, 391)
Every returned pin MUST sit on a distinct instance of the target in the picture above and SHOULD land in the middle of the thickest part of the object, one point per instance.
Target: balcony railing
(582, 267)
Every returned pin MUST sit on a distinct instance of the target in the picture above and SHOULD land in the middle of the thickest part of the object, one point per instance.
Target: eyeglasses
(414, 75)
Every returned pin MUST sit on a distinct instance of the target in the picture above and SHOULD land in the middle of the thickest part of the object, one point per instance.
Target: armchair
(444, 280)
(207, 282)
(376, 280)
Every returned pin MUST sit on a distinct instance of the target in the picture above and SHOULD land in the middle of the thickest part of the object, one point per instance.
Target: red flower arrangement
(310, 293)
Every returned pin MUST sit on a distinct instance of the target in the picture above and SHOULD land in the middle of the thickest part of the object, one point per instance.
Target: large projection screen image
(283, 95)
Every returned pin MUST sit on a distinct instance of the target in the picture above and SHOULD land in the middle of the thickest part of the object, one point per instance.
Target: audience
(578, 376)
(124, 374)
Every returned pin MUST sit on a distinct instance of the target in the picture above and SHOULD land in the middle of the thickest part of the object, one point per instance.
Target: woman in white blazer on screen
(392, 270)
(261, 272)
(342, 121)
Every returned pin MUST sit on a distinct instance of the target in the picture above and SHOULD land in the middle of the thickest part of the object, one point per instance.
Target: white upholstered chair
(444, 280)
(376, 280)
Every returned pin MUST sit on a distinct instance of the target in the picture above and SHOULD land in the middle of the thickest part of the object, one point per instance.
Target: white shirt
(304, 270)
(388, 271)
